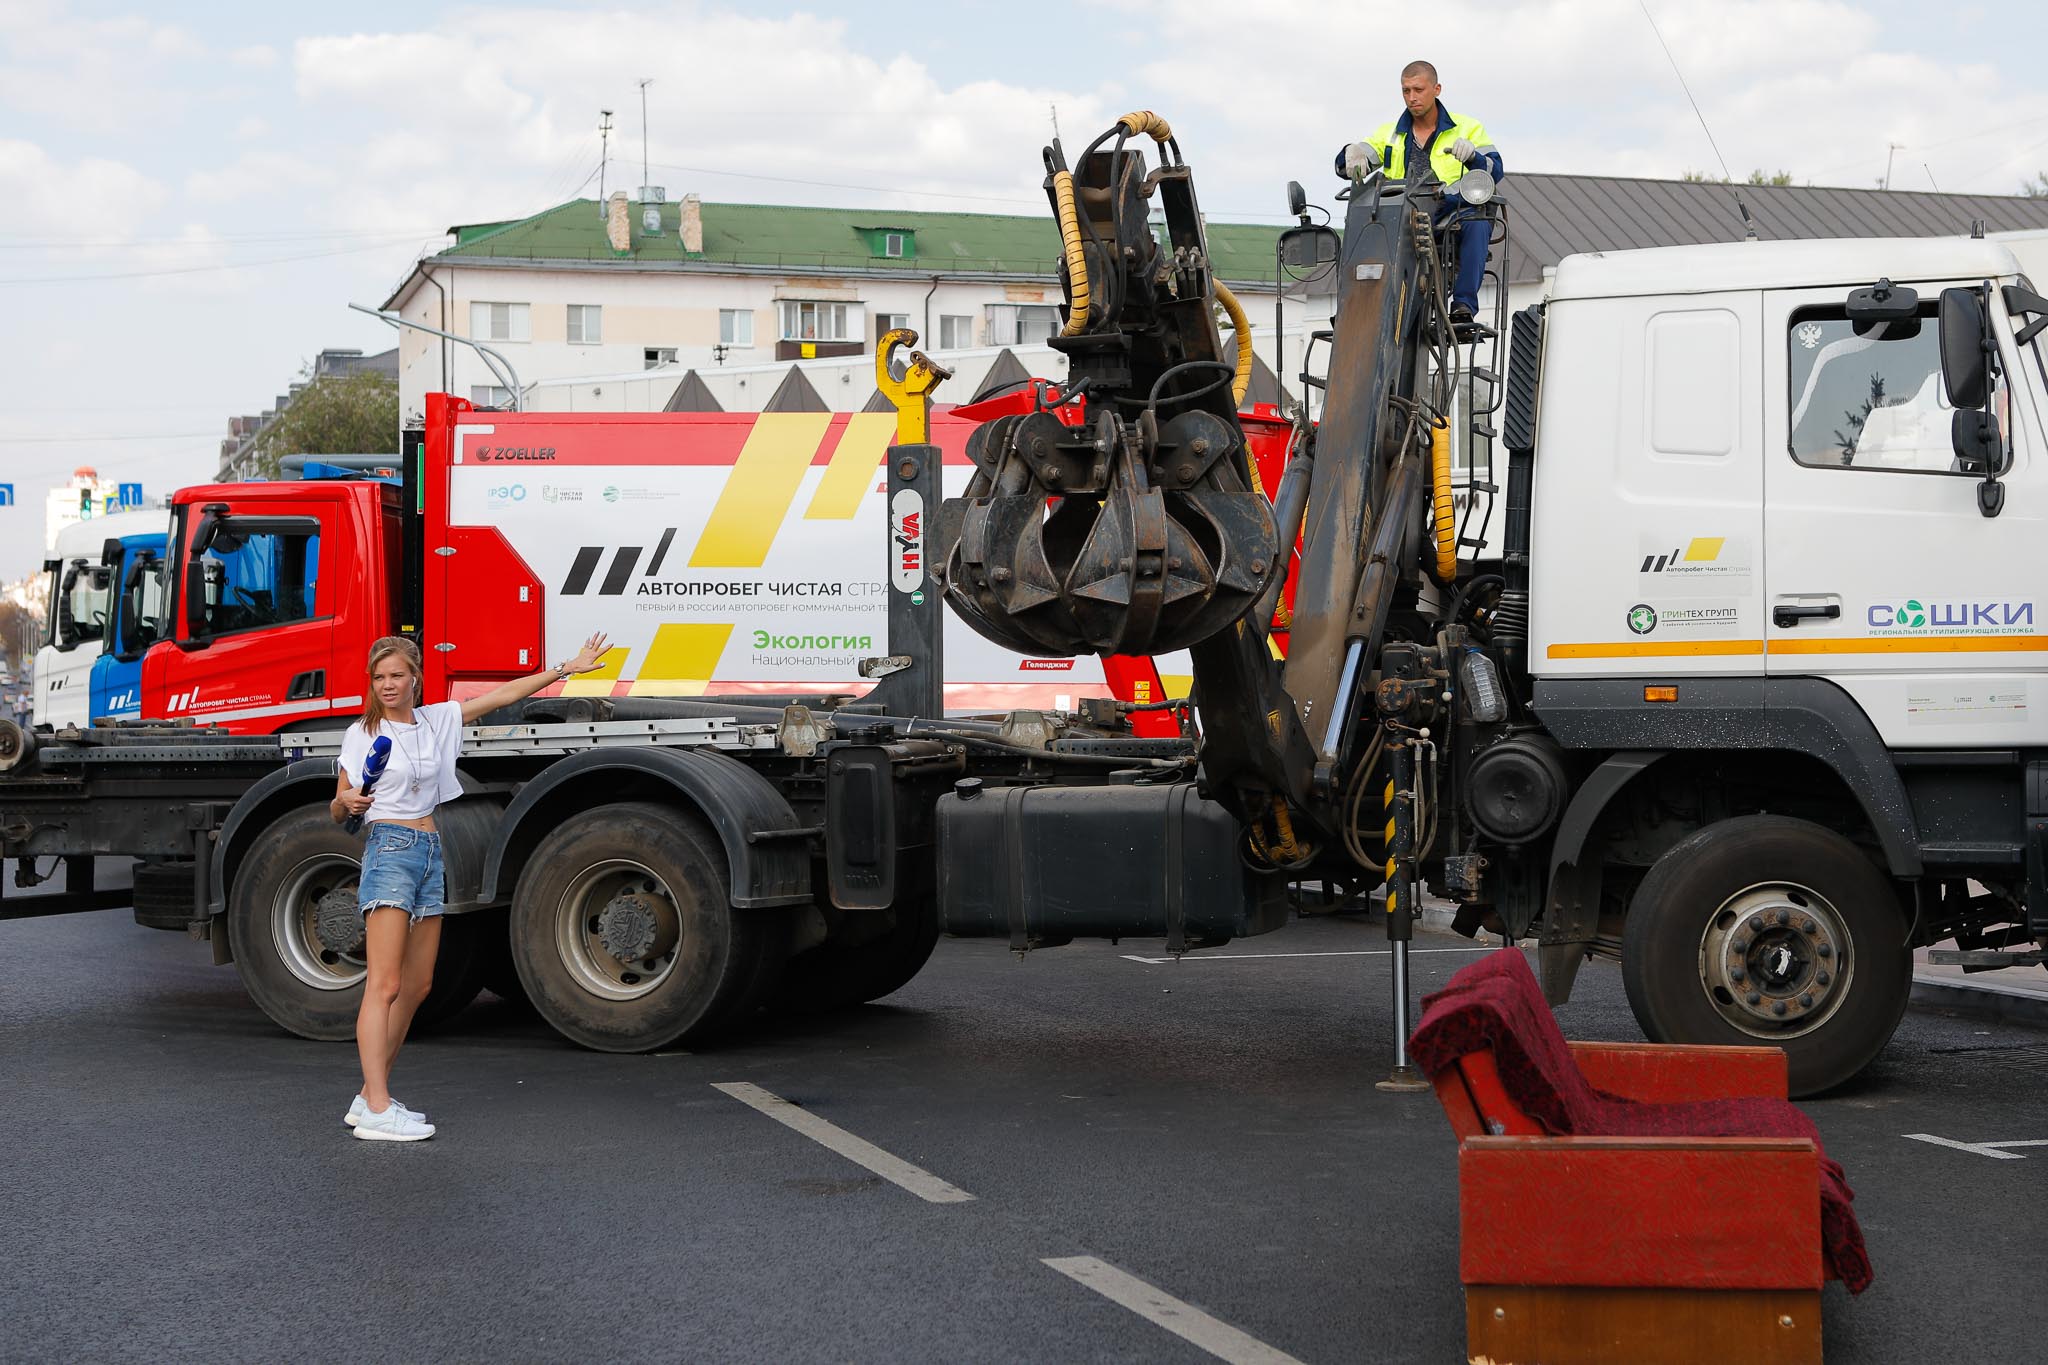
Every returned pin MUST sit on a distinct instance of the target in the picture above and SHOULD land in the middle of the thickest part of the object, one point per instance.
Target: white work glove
(1462, 151)
(1360, 160)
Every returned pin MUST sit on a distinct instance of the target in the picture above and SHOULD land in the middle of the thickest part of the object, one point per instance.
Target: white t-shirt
(426, 749)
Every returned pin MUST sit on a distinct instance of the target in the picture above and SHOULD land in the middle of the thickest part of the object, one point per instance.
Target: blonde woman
(403, 874)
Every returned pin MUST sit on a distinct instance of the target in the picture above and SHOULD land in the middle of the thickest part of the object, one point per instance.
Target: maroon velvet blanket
(1496, 1005)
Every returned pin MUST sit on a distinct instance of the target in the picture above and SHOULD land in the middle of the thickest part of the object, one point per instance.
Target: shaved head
(1423, 69)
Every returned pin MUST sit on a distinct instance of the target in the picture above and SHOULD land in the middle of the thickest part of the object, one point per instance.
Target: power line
(195, 269)
(141, 436)
(56, 243)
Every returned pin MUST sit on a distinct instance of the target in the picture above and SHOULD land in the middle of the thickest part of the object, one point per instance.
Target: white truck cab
(81, 584)
(1741, 481)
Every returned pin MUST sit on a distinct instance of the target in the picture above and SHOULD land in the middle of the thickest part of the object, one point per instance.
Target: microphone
(373, 768)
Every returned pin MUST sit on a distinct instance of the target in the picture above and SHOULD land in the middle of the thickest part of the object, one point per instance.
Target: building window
(806, 321)
(586, 324)
(888, 322)
(656, 356)
(490, 395)
(736, 326)
(499, 322)
(892, 244)
(956, 331)
(1021, 324)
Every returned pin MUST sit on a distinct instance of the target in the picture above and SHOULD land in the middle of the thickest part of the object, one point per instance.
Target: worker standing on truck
(1429, 136)
(403, 873)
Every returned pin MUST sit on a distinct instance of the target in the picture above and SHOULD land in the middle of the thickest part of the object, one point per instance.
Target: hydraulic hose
(1145, 122)
(1077, 259)
(1241, 383)
(1444, 515)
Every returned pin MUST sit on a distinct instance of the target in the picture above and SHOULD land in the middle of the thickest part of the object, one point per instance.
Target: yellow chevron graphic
(758, 492)
(682, 659)
(598, 683)
(852, 471)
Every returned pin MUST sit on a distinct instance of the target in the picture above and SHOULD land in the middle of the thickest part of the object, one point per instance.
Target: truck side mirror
(1297, 198)
(1978, 441)
(1964, 367)
(1882, 302)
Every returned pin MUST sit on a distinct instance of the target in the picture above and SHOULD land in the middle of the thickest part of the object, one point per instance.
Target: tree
(1846, 441)
(353, 414)
(2037, 187)
(1756, 177)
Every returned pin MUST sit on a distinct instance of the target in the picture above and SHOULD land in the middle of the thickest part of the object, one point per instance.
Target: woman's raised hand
(591, 656)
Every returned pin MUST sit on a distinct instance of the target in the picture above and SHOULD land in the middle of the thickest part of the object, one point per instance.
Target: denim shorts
(402, 868)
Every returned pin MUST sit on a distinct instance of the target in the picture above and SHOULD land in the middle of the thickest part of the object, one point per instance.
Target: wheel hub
(338, 922)
(627, 926)
(1774, 960)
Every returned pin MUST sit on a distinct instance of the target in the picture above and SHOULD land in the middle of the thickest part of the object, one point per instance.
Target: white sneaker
(359, 1106)
(396, 1124)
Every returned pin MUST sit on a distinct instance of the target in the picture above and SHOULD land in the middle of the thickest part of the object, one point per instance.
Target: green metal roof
(788, 237)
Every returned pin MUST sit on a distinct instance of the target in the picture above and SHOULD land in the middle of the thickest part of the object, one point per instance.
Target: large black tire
(648, 882)
(831, 978)
(1765, 930)
(307, 984)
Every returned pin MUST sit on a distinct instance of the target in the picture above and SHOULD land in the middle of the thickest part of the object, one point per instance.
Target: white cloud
(87, 200)
(102, 74)
(250, 128)
(503, 108)
(256, 57)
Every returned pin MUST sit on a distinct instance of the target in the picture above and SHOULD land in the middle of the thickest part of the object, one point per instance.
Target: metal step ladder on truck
(1604, 729)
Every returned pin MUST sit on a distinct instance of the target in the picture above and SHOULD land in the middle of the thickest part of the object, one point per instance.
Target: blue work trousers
(1469, 232)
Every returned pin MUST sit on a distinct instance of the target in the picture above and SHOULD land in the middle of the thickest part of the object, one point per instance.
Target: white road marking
(1994, 1150)
(1184, 1320)
(1253, 957)
(859, 1151)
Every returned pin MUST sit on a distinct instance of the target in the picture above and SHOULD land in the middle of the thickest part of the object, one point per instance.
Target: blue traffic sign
(131, 495)
(6, 495)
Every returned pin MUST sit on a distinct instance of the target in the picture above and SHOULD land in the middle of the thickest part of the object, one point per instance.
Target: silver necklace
(413, 754)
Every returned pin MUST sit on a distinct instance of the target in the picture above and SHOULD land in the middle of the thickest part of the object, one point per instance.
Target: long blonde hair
(389, 645)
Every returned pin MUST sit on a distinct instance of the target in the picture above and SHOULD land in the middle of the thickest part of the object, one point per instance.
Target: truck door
(78, 623)
(1649, 493)
(1882, 575)
(253, 611)
(137, 600)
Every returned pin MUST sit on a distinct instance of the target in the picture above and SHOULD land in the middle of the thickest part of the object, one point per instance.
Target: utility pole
(1890, 149)
(645, 81)
(604, 156)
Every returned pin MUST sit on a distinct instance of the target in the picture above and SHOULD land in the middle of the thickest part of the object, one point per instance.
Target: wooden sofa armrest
(1671, 1074)
(1649, 1212)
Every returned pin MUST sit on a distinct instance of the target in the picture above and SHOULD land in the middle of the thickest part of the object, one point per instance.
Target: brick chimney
(692, 226)
(618, 223)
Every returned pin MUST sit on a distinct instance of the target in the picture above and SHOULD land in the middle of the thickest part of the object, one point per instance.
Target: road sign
(131, 495)
(6, 495)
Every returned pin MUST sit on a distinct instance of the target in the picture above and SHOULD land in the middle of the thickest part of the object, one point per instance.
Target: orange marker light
(1660, 694)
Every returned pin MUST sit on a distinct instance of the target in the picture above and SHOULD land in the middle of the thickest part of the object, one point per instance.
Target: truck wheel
(828, 978)
(297, 936)
(1765, 930)
(624, 932)
(162, 895)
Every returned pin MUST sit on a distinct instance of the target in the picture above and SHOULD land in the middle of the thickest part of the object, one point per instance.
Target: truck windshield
(260, 579)
(1868, 395)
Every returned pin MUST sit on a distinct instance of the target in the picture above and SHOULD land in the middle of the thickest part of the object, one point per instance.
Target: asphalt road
(178, 1184)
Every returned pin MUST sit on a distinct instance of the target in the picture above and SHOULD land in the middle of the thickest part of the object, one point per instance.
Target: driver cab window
(259, 578)
(142, 607)
(81, 615)
(1869, 395)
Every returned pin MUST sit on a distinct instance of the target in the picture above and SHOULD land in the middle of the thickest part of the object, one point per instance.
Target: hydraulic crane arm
(1121, 516)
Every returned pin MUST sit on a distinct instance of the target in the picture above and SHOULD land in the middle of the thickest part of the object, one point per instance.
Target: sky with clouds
(190, 195)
